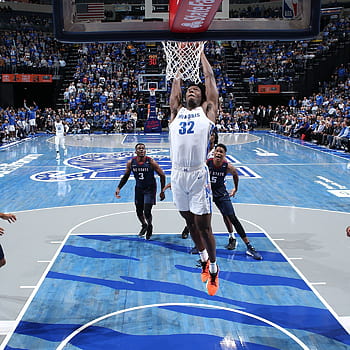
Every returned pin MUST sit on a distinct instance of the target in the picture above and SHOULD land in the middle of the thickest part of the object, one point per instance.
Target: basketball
(348, 231)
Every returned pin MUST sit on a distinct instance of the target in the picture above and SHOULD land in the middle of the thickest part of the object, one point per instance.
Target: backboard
(148, 20)
(148, 81)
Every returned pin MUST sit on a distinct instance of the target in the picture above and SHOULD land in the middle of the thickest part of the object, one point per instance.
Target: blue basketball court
(79, 277)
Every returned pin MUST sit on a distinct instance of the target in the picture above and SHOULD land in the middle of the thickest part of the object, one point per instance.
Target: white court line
(170, 202)
(296, 258)
(318, 283)
(82, 328)
(43, 261)
(278, 239)
(346, 323)
(294, 164)
(124, 234)
(27, 287)
(56, 242)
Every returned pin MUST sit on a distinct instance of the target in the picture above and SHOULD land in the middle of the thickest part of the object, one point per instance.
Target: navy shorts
(225, 206)
(1, 253)
(145, 196)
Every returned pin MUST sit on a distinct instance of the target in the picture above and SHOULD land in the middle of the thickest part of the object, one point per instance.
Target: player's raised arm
(175, 98)
(211, 89)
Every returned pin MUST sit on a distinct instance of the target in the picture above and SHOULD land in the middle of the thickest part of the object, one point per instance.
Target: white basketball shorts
(191, 190)
(60, 141)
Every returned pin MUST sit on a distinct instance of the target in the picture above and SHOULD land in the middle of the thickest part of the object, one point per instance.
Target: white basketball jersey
(59, 129)
(189, 136)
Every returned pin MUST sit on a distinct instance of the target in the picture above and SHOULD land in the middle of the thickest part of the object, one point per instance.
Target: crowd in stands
(323, 118)
(274, 62)
(256, 11)
(105, 88)
(30, 51)
(104, 93)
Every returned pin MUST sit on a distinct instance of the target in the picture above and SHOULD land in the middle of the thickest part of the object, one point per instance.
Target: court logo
(111, 166)
(101, 166)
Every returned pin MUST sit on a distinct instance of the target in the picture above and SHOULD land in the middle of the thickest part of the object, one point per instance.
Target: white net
(183, 60)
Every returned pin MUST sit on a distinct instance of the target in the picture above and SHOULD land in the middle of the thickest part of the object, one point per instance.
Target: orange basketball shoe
(205, 270)
(213, 283)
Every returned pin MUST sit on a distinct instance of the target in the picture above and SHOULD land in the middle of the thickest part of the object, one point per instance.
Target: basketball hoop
(152, 91)
(183, 59)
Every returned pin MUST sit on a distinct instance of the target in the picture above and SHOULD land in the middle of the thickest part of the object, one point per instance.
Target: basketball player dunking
(189, 130)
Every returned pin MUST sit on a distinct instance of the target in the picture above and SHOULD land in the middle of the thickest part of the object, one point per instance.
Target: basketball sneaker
(232, 244)
(205, 270)
(213, 283)
(252, 252)
(185, 233)
(143, 230)
(149, 232)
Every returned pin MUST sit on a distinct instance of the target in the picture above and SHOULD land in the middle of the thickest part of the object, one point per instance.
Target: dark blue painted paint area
(53, 332)
(294, 306)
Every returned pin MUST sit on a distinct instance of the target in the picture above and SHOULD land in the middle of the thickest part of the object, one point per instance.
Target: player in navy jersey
(10, 218)
(219, 168)
(143, 169)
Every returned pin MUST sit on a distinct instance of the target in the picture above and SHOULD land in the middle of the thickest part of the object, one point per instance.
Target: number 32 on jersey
(186, 127)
